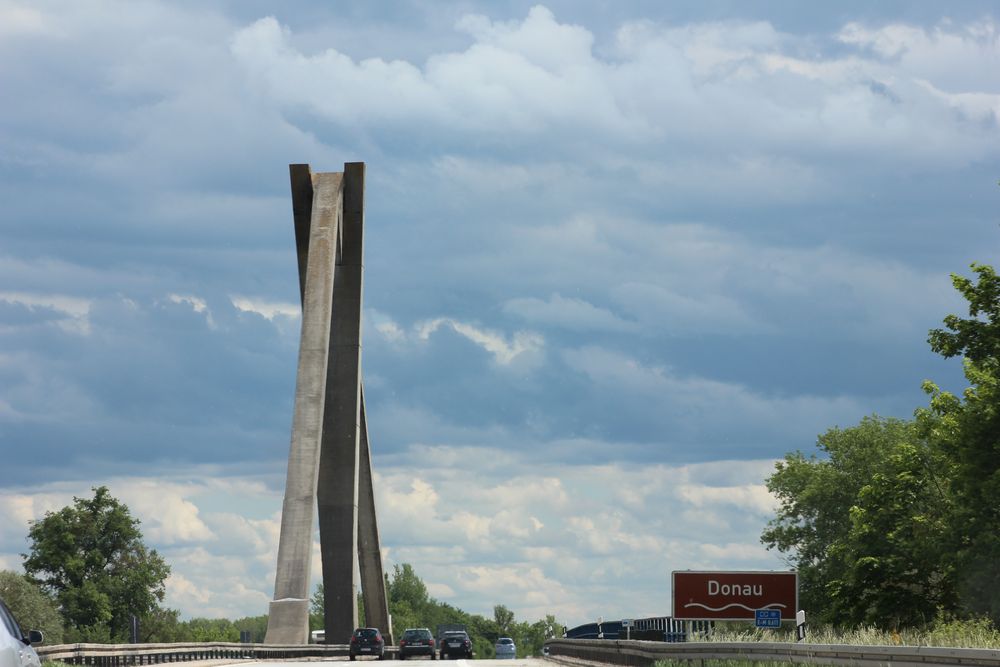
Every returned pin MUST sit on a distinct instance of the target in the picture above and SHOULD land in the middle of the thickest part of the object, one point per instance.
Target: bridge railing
(644, 653)
(123, 655)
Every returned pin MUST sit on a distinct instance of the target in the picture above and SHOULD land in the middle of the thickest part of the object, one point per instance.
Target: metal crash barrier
(122, 655)
(646, 653)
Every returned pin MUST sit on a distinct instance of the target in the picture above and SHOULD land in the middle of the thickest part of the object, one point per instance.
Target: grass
(978, 633)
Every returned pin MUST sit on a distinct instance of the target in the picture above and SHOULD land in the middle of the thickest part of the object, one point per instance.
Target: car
(456, 644)
(366, 641)
(416, 641)
(505, 648)
(15, 643)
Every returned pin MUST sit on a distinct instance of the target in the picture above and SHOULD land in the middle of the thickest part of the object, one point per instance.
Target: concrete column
(337, 493)
(369, 549)
(288, 621)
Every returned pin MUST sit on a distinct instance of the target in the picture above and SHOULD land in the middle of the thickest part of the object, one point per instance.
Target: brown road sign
(733, 596)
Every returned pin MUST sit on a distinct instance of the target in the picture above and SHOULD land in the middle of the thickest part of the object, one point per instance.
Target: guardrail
(644, 653)
(121, 655)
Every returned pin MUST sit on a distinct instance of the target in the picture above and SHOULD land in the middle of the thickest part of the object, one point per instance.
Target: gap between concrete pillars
(337, 491)
(288, 613)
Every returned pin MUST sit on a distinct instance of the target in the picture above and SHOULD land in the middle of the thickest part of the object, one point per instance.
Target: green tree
(255, 625)
(406, 586)
(411, 606)
(967, 428)
(537, 633)
(90, 556)
(210, 630)
(865, 526)
(162, 626)
(33, 609)
(316, 610)
(484, 634)
(504, 618)
(897, 569)
(409, 603)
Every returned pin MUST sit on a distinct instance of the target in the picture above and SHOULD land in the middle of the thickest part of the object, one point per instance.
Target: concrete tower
(329, 461)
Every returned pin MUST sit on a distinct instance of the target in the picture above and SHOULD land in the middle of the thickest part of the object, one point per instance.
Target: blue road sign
(767, 618)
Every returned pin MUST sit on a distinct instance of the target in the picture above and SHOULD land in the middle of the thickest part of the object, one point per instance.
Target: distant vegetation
(412, 607)
(895, 524)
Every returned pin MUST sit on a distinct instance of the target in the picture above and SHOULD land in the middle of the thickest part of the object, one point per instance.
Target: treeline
(88, 573)
(896, 523)
(411, 606)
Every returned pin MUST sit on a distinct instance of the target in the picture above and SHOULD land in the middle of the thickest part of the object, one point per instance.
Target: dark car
(416, 641)
(367, 641)
(455, 644)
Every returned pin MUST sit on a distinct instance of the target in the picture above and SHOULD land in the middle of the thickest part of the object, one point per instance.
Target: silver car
(15, 643)
(505, 648)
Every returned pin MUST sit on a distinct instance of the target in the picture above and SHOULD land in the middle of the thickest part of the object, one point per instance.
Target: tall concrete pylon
(329, 459)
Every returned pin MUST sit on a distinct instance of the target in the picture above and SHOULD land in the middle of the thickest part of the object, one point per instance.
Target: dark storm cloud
(681, 234)
(140, 382)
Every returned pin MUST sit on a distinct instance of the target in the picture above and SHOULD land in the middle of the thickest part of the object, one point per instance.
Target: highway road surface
(413, 662)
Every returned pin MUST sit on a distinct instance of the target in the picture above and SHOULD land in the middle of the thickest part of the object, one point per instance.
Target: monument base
(287, 622)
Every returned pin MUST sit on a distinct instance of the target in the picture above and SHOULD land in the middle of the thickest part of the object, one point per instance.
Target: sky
(620, 259)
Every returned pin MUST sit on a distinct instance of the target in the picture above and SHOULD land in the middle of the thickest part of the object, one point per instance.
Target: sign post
(733, 596)
(800, 625)
(627, 623)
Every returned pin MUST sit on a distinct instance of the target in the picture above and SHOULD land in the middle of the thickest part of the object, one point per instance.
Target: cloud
(70, 312)
(18, 21)
(692, 409)
(566, 312)
(565, 526)
(197, 304)
(267, 309)
(512, 534)
(617, 261)
(665, 85)
(504, 352)
(173, 519)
